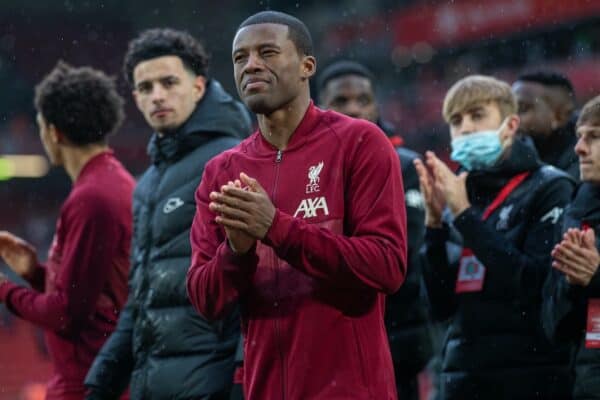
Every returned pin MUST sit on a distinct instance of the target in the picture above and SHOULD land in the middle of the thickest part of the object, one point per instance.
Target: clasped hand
(576, 256)
(440, 187)
(245, 212)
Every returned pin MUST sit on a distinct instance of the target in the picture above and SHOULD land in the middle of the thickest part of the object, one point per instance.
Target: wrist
(435, 223)
(458, 208)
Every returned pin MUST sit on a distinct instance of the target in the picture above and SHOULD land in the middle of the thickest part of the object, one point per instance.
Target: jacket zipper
(278, 159)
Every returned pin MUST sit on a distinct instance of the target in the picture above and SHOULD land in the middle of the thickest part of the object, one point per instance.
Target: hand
(576, 256)
(250, 211)
(454, 188)
(19, 255)
(239, 241)
(434, 198)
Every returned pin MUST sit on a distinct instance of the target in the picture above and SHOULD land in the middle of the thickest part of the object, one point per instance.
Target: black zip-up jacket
(494, 347)
(565, 305)
(162, 347)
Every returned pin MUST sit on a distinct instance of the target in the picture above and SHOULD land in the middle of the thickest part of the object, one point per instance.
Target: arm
(563, 309)
(415, 208)
(372, 252)
(110, 373)
(217, 276)
(438, 274)
(21, 257)
(81, 276)
(509, 269)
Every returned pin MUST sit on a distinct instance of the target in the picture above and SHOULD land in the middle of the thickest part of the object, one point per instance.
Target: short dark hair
(548, 78)
(160, 42)
(342, 68)
(82, 103)
(297, 30)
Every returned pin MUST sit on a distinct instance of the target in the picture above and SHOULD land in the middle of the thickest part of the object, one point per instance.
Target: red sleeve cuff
(279, 232)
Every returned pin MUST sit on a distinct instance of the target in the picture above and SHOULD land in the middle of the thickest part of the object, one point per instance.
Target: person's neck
(75, 158)
(550, 146)
(278, 127)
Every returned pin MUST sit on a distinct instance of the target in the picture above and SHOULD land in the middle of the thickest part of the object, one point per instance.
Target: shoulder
(89, 201)
(348, 128)
(547, 174)
(221, 162)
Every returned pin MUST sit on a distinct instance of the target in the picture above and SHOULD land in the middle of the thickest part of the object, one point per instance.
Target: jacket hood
(217, 114)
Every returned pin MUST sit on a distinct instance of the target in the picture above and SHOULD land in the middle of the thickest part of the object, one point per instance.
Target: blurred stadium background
(416, 48)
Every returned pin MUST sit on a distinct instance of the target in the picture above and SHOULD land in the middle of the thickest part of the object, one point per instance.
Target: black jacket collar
(216, 115)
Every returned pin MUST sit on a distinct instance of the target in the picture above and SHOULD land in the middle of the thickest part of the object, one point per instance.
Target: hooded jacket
(565, 307)
(161, 346)
(494, 347)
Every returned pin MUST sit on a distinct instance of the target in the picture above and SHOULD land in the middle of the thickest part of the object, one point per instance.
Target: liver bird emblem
(313, 173)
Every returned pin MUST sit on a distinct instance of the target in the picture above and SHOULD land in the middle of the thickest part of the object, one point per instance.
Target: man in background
(347, 87)
(77, 295)
(162, 348)
(547, 110)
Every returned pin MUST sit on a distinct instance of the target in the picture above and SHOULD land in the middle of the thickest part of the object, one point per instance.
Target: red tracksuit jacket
(76, 297)
(312, 294)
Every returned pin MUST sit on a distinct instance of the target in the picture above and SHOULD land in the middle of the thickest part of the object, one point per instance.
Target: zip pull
(279, 156)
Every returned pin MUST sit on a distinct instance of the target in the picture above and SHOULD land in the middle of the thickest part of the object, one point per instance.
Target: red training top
(312, 294)
(77, 296)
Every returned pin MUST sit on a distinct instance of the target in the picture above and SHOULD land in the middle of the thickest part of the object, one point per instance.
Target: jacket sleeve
(217, 276)
(110, 372)
(372, 252)
(415, 210)
(438, 274)
(510, 270)
(37, 279)
(563, 309)
(82, 275)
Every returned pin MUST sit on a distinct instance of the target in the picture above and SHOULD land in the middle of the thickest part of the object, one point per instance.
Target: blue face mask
(479, 150)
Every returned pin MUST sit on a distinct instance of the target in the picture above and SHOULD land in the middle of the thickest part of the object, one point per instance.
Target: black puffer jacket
(565, 306)
(162, 347)
(494, 347)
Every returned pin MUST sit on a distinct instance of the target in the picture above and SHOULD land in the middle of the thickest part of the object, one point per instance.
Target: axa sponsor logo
(309, 208)
(172, 204)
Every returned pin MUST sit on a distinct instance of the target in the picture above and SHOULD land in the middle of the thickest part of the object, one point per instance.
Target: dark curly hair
(159, 42)
(82, 103)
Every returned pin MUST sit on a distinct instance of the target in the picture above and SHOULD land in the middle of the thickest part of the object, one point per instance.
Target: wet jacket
(565, 306)
(162, 347)
(494, 347)
(78, 294)
(312, 293)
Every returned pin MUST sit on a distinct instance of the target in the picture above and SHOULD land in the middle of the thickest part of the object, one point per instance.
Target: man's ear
(511, 126)
(56, 136)
(308, 67)
(199, 87)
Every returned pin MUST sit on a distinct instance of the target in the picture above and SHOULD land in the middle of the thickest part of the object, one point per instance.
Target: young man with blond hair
(489, 234)
(572, 291)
